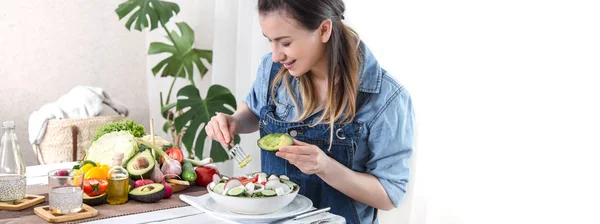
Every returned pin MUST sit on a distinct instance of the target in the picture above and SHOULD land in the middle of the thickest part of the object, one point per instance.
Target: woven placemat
(104, 211)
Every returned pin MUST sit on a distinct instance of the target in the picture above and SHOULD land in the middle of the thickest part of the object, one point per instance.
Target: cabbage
(101, 150)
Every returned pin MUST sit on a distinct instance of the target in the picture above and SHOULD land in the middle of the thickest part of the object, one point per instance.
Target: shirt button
(293, 133)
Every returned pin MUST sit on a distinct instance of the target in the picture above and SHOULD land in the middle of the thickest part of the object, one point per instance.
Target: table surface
(37, 176)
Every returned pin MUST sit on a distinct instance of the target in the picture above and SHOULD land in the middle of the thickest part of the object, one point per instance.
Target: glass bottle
(12, 168)
(118, 182)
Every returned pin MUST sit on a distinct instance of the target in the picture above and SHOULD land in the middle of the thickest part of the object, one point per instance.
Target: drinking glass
(66, 191)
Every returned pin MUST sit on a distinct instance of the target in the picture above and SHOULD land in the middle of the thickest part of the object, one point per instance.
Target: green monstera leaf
(154, 9)
(198, 112)
(183, 55)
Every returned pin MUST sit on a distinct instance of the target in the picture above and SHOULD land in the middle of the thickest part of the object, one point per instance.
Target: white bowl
(253, 206)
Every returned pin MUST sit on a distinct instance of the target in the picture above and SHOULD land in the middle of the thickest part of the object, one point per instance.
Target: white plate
(207, 204)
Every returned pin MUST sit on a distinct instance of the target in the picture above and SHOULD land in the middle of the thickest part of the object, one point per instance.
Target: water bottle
(12, 168)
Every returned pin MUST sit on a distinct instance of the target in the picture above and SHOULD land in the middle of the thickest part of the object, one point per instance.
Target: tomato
(94, 187)
(245, 180)
(175, 153)
(205, 175)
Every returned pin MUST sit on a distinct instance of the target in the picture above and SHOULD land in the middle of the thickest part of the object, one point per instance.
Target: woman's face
(298, 49)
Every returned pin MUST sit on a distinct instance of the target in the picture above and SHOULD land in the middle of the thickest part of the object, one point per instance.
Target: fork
(236, 152)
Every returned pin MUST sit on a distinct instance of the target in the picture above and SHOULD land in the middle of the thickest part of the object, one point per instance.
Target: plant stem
(171, 89)
(164, 26)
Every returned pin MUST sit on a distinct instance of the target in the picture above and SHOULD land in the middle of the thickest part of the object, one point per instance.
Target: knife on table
(303, 215)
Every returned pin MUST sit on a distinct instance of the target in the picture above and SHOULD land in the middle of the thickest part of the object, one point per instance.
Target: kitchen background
(505, 92)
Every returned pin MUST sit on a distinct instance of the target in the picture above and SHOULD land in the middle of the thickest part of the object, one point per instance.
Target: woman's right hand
(222, 128)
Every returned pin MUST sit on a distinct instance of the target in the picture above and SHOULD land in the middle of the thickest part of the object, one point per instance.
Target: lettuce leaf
(126, 125)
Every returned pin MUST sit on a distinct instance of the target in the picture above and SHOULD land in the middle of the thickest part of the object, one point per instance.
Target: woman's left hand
(310, 159)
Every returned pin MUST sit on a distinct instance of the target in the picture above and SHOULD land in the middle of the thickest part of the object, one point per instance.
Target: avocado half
(272, 142)
(96, 200)
(141, 165)
(148, 193)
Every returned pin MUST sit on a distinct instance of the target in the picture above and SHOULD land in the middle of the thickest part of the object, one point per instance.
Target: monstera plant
(191, 111)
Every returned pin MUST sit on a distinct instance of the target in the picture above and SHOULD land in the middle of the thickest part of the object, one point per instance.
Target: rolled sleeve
(257, 97)
(391, 140)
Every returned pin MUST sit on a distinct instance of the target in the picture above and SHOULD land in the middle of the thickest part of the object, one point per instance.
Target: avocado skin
(97, 200)
(138, 174)
(148, 197)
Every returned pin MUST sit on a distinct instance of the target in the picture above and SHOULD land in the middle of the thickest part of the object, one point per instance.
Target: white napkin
(79, 102)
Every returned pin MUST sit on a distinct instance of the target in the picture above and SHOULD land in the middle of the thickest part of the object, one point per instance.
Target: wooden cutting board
(44, 213)
(28, 201)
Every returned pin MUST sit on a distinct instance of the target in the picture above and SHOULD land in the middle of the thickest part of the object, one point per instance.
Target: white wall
(506, 98)
(48, 47)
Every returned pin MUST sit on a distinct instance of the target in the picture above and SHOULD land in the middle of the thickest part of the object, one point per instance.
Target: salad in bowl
(254, 194)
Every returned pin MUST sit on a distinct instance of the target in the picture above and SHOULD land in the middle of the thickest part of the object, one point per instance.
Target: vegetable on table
(94, 187)
(126, 125)
(170, 166)
(101, 150)
(175, 153)
(205, 175)
(142, 182)
(188, 172)
(203, 162)
(99, 172)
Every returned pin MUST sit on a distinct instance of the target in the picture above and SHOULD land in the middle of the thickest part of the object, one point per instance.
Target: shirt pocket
(283, 110)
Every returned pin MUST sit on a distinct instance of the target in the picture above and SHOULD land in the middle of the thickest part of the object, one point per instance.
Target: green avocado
(148, 193)
(272, 142)
(141, 165)
(96, 200)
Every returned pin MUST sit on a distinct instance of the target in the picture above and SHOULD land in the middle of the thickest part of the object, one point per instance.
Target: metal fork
(236, 152)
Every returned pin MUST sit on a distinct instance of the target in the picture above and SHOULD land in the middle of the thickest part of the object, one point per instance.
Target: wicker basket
(66, 140)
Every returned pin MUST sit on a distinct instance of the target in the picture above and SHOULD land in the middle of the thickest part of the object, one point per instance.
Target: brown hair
(344, 60)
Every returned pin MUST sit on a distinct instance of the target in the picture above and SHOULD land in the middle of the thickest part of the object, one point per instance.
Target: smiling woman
(347, 111)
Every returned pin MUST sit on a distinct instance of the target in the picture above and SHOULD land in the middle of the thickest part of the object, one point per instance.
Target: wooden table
(37, 176)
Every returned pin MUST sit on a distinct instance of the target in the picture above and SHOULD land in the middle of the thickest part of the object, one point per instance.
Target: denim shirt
(385, 141)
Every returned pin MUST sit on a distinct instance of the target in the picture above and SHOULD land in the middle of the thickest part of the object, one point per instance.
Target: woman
(352, 123)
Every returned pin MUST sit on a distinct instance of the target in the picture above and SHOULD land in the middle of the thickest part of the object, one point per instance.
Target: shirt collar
(371, 73)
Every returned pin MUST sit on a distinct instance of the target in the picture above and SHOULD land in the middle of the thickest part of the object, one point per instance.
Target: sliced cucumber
(284, 177)
(269, 193)
(290, 184)
(236, 191)
(219, 188)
